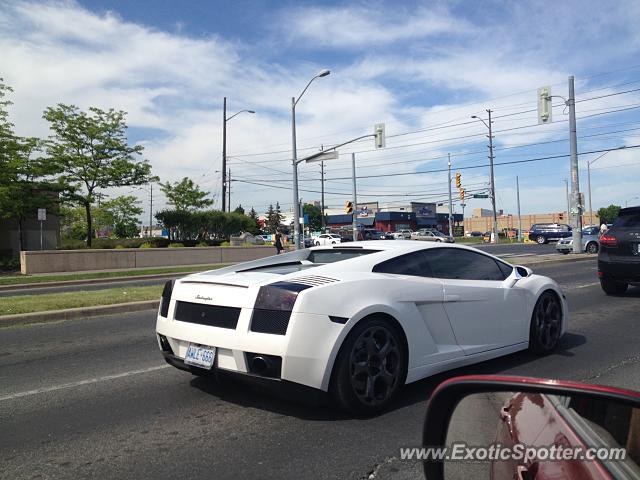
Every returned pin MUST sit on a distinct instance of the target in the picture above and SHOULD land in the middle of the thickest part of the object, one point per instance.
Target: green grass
(61, 301)
(19, 279)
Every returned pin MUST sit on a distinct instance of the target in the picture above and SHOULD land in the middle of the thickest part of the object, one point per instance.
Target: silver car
(431, 236)
(590, 241)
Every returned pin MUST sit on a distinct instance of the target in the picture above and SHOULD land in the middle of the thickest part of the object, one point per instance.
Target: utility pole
(355, 198)
(493, 184)
(229, 190)
(322, 196)
(519, 217)
(450, 200)
(576, 210)
(566, 192)
(224, 154)
(151, 211)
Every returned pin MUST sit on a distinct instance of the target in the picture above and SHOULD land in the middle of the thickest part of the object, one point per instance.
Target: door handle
(452, 298)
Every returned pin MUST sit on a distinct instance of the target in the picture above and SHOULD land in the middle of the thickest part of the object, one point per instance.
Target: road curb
(73, 313)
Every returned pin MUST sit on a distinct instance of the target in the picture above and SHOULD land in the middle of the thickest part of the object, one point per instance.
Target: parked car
(327, 239)
(619, 256)
(474, 234)
(432, 236)
(590, 241)
(548, 232)
(372, 234)
(284, 321)
(389, 236)
(402, 235)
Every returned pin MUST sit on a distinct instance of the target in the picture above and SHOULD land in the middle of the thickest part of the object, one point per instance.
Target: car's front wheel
(612, 287)
(370, 368)
(317, 244)
(546, 323)
(592, 247)
(541, 240)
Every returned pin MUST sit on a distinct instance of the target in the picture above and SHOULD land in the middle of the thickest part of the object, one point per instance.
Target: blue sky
(422, 68)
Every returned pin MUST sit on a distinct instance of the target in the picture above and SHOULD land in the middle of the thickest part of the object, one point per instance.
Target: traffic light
(348, 207)
(544, 105)
(462, 194)
(458, 180)
(378, 130)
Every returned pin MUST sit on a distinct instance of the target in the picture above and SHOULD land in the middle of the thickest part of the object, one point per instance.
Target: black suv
(619, 257)
(546, 232)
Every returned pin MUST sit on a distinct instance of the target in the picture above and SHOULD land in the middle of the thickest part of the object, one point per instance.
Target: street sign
(480, 195)
(322, 156)
(42, 214)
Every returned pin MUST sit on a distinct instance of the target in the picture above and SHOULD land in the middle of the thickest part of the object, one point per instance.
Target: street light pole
(354, 215)
(576, 211)
(322, 196)
(224, 149)
(294, 162)
(519, 216)
(494, 231)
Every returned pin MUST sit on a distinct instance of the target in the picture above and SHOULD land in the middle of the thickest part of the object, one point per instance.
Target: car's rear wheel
(317, 244)
(612, 287)
(370, 368)
(541, 240)
(592, 247)
(546, 323)
(566, 252)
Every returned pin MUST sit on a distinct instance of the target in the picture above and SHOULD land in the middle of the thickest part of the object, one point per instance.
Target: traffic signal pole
(576, 210)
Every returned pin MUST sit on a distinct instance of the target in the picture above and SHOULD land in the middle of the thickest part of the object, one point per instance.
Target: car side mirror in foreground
(484, 426)
(518, 273)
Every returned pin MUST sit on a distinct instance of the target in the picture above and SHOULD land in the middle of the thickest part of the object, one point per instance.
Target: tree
(272, 222)
(23, 188)
(609, 214)
(92, 152)
(254, 227)
(186, 195)
(122, 214)
(239, 210)
(315, 216)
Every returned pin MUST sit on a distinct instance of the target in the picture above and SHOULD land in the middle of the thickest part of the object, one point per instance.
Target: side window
(505, 269)
(414, 263)
(453, 263)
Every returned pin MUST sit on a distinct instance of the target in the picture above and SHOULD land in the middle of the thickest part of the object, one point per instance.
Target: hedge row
(110, 243)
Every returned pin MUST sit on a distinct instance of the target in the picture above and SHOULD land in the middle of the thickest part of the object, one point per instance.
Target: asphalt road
(93, 399)
(509, 252)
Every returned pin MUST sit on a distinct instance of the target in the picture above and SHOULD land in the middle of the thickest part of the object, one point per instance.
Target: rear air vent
(313, 280)
(270, 321)
(211, 315)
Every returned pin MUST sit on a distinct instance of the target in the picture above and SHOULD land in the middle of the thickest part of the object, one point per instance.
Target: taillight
(166, 298)
(278, 296)
(608, 240)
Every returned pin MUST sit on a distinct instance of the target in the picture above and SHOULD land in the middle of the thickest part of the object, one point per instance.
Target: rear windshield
(336, 254)
(632, 220)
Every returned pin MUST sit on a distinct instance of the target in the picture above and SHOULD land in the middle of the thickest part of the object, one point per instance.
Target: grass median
(60, 301)
(27, 279)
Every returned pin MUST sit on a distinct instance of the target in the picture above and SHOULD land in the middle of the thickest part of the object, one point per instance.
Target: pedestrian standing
(603, 228)
(278, 242)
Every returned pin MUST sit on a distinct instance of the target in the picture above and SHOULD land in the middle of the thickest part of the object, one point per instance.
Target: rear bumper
(624, 272)
(283, 388)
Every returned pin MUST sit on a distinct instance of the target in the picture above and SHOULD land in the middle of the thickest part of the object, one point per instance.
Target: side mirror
(484, 426)
(518, 273)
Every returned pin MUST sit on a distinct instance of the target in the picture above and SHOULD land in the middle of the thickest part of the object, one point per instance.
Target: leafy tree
(206, 224)
(122, 214)
(186, 195)
(315, 216)
(23, 188)
(92, 152)
(271, 223)
(609, 214)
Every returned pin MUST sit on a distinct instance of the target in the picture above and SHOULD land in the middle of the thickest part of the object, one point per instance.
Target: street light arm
(305, 89)
(238, 113)
(311, 157)
(481, 119)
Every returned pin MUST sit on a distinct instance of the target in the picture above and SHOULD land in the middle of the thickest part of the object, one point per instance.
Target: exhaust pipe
(262, 366)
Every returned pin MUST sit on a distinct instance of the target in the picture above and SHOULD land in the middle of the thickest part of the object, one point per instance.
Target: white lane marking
(586, 285)
(79, 383)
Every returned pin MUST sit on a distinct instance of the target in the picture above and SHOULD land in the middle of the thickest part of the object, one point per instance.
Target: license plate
(200, 356)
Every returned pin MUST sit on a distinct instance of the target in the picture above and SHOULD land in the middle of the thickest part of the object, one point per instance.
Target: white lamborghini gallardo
(358, 320)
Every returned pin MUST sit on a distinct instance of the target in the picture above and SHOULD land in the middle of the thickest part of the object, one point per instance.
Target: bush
(202, 244)
(225, 244)
(120, 247)
(176, 245)
(107, 243)
(146, 245)
(9, 264)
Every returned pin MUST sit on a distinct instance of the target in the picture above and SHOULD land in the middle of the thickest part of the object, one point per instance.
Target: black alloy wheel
(546, 323)
(370, 368)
